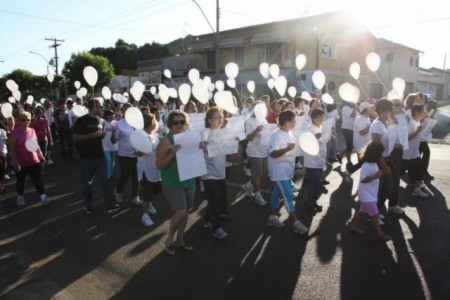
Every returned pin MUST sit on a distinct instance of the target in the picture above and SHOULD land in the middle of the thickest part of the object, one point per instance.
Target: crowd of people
(390, 138)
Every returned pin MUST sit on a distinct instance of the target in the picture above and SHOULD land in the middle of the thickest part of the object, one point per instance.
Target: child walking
(368, 191)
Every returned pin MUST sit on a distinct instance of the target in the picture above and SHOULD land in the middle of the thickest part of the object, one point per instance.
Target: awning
(231, 42)
(269, 37)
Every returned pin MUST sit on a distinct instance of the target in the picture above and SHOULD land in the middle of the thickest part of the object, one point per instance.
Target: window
(211, 59)
(411, 59)
(389, 56)
(326, 50)
(239, 56)
(417, 62)
(274, 53)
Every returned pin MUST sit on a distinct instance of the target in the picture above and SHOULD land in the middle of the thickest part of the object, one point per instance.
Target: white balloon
(200, 92)
(50, 77)
(327, 99)
(207, 80)
(194, 75)
(42, 100)
(220, 85)
(211, 87)
(373, 61)
(164, 94)
(318, 78)
(271, 83)
(136, 92)
(260, 111)
(393, 95)
(281, 85)
(153, 90)
(79, 111)
(16, 94)
(300, 61)
(167, 73)
(77, 84)
(251, 86)
(83, 91)
(90, 75)
(79, 94)
(11, 85)
(292, 91)
(173, 93)
(224, 99)
(6, 110)
(31, 145)
(11, 99)
(306, 96)
(264, 69)
(348, 92)
(232, 70)
(355, 70)
(274, 71)
(106, 92)
(140, 141)
(398, 84)
(309, 143)
(133, 116)
(29, 100)
(184, 91)
(231, 83)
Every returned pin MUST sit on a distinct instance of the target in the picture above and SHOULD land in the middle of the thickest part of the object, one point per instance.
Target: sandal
(185, 246)
(169, 249)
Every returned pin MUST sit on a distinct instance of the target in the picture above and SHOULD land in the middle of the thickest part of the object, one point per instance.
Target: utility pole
(55, 45)
(217, 36)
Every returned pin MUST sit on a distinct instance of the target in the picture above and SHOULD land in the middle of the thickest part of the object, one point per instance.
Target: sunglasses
(24, 120)
(180, 122)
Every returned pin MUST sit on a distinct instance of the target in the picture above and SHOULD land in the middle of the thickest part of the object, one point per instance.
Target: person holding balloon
(109, 147)
(349, 115)
(281, 171)
(179, 194)
(40, 125)
(26, 158)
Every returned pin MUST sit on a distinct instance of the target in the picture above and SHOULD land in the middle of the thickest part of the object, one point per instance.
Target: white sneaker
(146, 220)
(419, 193)
(50, 162)
(208, 225)
(219, 233)
(119, 197)
(248, 189)
(152, 209)
(273, 221)
(20, 201)
(295, 188)
(260, 200)
(247, 171)
(136, 201)
(396, 210)
(299, 228)
(45, 200)
(6, 177)
(381, 216)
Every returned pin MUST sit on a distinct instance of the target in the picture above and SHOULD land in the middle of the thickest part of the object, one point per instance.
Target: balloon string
(362, 89)
(381, 82)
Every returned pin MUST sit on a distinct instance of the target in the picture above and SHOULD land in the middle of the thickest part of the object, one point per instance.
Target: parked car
(432, 103)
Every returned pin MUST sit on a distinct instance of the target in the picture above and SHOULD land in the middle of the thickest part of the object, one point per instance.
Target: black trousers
(65, 141)
(216, 195)
(424, 150)
(35, 174)
(128, 170)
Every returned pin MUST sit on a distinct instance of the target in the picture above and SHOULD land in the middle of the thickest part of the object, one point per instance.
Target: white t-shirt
(254, 147)
(379, 128)
(332, 114)
(426, 137)
(368, 192)
(123, 132)
(106, 141)
(413, 149)
(147, 163)
(360, 141)
(347, 121)
(48, 113)
(215, 166)
(3, 139)
(318, 161)
(281, 168)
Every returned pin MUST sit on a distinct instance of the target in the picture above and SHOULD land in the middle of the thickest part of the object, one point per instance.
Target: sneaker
(219, 233)
(119, 197)
(396, 210)
(50, 162)
(273, 221)
(299, 228)
(381, 216)
(151, 209)
(260, 200)
(146, 220)
(20, 201)
(45, 200)
(422, 185)
(6, 177)
(247, 171)
(419, 193)
(248, 189)
(295, 188)
(115, 208)
(136, 201)
(208, 225)
(89, 210)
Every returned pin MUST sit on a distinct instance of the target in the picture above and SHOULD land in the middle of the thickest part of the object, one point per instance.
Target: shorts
(348, 136)
(369, 208)
(258, 165)
(149, 189)
(179, 198)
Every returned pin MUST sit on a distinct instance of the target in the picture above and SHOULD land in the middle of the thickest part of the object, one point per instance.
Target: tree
(73, 69)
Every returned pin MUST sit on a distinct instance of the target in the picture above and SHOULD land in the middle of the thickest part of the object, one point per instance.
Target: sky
(84, 24)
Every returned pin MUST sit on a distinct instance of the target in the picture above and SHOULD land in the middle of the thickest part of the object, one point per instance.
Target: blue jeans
(283, 189)
(315, 177)
(331, 149)
(110, 157)
(89, 168)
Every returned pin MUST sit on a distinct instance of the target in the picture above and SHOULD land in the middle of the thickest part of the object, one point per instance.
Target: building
(435, 82)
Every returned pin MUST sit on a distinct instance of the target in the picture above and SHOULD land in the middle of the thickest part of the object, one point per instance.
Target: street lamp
(47, 63)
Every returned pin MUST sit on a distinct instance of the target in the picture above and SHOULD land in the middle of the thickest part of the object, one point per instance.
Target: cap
(364, 106)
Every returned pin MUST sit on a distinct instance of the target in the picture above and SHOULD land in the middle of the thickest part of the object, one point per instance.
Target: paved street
(59, 252)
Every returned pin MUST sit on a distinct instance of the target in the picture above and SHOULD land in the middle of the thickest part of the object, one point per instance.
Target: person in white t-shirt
(247, 109)
(281, 171)
(109, 148)
(368, 190)
(3, 161)
(332, 113)
(349, 115)
(361, 136)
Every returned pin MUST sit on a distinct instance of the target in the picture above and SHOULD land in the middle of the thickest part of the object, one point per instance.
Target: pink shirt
(25, 157)
(40, 126)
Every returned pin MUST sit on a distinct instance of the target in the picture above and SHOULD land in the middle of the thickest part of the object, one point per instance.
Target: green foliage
(73, 69)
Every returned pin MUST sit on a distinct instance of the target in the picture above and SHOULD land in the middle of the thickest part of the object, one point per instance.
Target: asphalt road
(59, 252)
